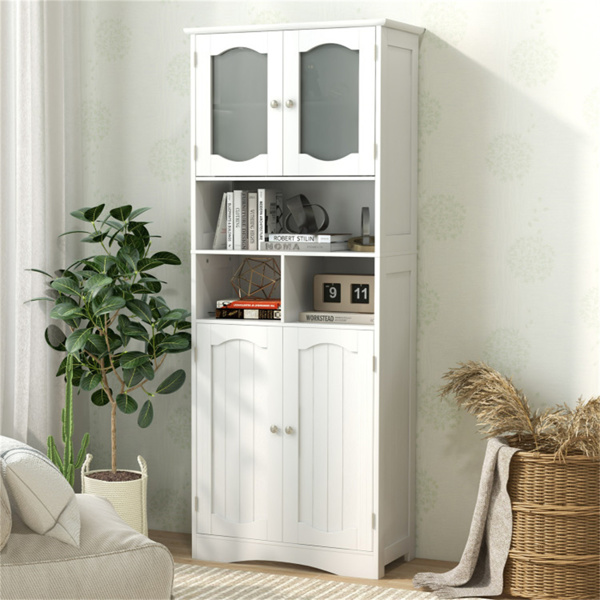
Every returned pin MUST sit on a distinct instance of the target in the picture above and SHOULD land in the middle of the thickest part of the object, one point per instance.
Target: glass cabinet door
(329, 102)
(329, 95)
(238, 104)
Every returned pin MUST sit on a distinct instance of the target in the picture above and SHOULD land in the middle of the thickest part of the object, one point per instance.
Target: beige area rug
(210, 583)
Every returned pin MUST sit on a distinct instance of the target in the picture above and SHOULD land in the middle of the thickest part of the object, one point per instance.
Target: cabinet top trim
(310, 25)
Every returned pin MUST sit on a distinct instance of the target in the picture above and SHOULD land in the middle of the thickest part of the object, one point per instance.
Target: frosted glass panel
(239, 108)
(329, 102)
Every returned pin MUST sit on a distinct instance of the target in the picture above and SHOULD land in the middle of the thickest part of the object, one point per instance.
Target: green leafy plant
(114, 323)
(67, 464)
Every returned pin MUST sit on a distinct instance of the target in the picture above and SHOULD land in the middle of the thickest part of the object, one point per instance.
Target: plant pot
(127, 497)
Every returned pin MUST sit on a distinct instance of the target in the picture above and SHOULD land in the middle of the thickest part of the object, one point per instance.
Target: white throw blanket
(481, 567)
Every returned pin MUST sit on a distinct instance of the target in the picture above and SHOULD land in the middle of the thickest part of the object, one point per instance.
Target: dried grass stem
(502, 410)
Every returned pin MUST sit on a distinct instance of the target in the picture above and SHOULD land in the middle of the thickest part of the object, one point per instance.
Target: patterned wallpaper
(508, 201)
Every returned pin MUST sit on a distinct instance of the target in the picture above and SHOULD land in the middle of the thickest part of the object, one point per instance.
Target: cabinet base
(346, 563)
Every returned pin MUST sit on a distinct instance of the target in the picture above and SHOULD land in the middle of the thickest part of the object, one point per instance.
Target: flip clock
(344, 293)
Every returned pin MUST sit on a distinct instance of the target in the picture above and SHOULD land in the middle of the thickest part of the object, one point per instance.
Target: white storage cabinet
(304, 434)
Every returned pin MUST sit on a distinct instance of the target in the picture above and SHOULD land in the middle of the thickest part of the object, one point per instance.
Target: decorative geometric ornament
(256, 278)
(302, 213)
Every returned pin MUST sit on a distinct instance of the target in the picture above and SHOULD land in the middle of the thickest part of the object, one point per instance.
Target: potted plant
(117, 329)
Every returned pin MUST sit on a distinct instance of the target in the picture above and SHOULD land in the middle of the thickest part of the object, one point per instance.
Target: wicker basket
(127, 497)
(555, 547)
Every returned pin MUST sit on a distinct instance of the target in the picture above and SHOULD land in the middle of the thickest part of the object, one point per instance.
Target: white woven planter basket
(127, 497)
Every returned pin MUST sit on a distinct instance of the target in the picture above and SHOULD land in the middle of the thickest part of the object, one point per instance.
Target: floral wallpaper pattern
(508, 223)
(509, 156)
(113, 39)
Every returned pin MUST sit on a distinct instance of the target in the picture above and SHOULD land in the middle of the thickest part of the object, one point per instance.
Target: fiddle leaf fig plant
(114, 323)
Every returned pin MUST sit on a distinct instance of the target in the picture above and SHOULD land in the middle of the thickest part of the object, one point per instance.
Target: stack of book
(325, 318)
(246, 218)
(253, 220)
(234, 308)
(305, 242)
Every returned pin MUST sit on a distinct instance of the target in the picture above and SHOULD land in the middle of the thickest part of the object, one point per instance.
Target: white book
(317, 316)
(252, 221)
(321, 238)
(229, 220)
(333, 237)
(303, 246)
(220, 241)
(293, 237)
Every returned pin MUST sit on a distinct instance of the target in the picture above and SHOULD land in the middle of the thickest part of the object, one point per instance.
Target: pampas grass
(567, 431)
(502, 410)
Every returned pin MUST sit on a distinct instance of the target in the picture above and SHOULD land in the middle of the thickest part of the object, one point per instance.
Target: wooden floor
(398, 574)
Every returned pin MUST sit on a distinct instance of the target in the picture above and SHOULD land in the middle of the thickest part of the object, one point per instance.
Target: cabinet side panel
(202, 110)
(206, 203)
(397, 404)
(398, 142)
(213, 281)
(202, 418)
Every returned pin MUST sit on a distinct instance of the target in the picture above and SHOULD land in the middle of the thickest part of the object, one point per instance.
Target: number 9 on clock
(332, 292)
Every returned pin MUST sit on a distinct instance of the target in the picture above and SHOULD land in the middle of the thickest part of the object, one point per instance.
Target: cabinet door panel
(328, 402)
(239, 104)
(329, 77)
(329, 102)
(237, 130)
(239, 398)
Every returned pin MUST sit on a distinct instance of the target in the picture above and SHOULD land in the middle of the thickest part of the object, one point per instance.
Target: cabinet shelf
(343, 199)
(283, 323)
(295, 288)
(303, 432)
(287, 178)
(242, 322)
(262, 253)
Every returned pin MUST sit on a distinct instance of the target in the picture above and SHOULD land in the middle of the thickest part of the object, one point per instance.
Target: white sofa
(108, 559)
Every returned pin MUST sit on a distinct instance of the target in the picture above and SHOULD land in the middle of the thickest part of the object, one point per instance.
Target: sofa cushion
(38, 492)
(112, 561)
(5, 514)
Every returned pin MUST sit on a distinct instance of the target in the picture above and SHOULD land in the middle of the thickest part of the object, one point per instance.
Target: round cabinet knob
(289, 430)
(274, 104)
(289, 103)
(274, 429)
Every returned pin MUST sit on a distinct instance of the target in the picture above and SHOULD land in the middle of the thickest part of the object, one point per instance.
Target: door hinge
(195, 353)
(195, 152)
(373, 519)
(375, 151)
(195, 59)
(196, 503)
(375, 52)
(374, 364)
